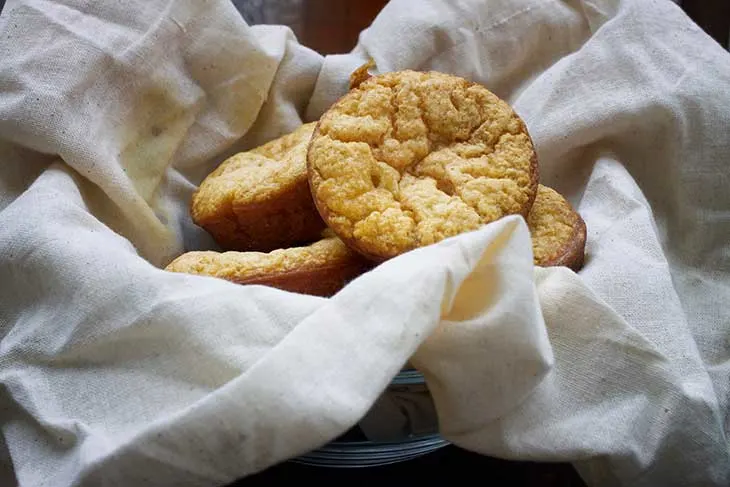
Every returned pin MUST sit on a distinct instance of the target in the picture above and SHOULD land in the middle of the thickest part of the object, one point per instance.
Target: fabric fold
(115, 371)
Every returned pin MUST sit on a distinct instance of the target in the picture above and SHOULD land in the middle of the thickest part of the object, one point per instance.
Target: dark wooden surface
(332, 26)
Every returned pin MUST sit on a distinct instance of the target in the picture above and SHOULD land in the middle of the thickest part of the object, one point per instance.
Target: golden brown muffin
(260, 200)
(320, 269)
(558, 232)
(406, 159)
(361, 74)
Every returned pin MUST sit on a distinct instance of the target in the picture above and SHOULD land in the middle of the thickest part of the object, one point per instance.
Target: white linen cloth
(115, 372)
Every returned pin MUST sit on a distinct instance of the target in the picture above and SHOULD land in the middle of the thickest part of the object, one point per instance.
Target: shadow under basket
(401, 425)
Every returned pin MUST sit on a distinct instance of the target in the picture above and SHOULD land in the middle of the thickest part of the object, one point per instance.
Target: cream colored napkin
(116, 372)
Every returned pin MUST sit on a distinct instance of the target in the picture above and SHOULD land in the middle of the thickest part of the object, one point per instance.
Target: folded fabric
(117, 372)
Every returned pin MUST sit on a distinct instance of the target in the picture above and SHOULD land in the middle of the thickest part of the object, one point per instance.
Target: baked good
(319, 269)
(406, 159)
(361, 74)
(558, 232)
(260, 200)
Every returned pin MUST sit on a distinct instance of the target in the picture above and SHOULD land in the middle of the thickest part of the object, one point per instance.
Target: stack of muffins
(403, 160)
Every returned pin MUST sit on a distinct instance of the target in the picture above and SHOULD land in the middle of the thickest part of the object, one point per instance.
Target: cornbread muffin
(260, 200)
(406, 159)
(558, 232)
(361, 74)
(320, 269)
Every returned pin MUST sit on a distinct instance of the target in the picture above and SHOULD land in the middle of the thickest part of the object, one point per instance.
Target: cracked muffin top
(254, 176)
(406, 159)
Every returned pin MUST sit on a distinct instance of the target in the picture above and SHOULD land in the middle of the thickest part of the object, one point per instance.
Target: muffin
(260, 200)
(321, 268)
(558, 232)
(406, 159)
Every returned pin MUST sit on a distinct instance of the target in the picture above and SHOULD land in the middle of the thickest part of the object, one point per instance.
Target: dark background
(332, 26)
